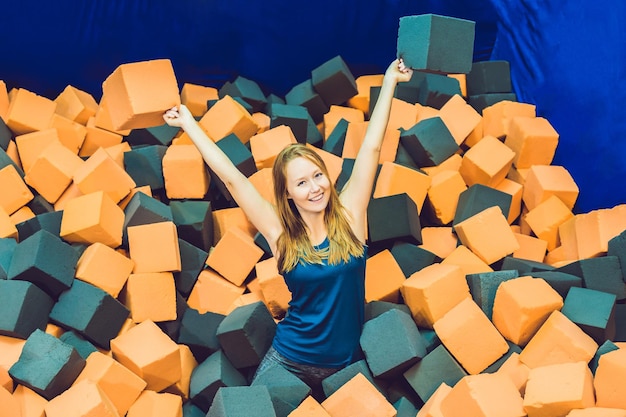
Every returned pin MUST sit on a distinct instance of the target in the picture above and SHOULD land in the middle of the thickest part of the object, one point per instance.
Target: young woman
(317, 236)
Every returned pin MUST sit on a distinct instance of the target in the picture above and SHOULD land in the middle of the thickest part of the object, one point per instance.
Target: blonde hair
(293, 244)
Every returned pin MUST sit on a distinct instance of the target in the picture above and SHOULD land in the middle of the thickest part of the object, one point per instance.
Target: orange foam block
(309, 407)
(487, 163)
(184, 172)
(609, 380)
(82, 399)
(533, 139)
(4, 100)
(470, 337)
(154, 247)
(5, 379)
(516, 191)
(76, 105)
(530, 247)
(266, 146)
(52, 172)
(467, 261)
(146, 189)
(227, 218)
(262, 120)
(31, 404)
(516, 370)
(558, 340)
(484, 395)
(227, 116)
(433, 291)
(439, 240)
(92, 218)
(100, 172)
(234, 256)
(383, 278)
(545, 219)
(597, 412)
(543, 181)
(15, 194)
(10, 406)
(497, 117)
(264, 183)
(195, 97)
(521, 305)
(358, 397)
(273, 287)
(96, 137)
(119, 384)
(30, 145)
(487, 234)
(459, 117)
(425, 112)
(354, 138)
(7, 227)
(155, 404)
(336, 113)
(452, 163)
(432, 407)
(150, 296)
(21, 215)
(29, 112)
(555, 390)
(443, 195)
(188, 364)
(612, 222)
(213, 293)
(149, 353)
(102, 119)
(402, 115)
(104, 267)
(364, 84)
(71, 133)
(132, 99)
(397, 179)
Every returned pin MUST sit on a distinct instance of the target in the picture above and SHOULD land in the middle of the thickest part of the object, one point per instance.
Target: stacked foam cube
(131, 284)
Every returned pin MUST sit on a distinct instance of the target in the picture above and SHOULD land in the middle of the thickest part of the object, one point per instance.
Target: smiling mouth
(317, 198)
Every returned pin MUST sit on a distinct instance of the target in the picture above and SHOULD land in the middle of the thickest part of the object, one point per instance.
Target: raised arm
(259, 211)
(356, 193)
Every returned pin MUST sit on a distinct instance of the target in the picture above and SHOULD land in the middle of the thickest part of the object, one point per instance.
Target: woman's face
(307, 185)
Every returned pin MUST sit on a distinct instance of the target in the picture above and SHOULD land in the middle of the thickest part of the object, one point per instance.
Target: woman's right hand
(178, 116)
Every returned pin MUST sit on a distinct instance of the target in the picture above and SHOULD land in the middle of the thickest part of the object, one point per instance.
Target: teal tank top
(324, 319)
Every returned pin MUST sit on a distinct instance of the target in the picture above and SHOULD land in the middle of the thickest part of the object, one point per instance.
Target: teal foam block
(5, 160)
(620, 323)
(303, 94)
(192, 410)
(607, 346)
(479, 197)
(337, 138)
(481, 101)
(393, 218)
(286, 390)
(334, 81)
(435, 90)
(436, 43)
(294, 116)
(391, 343)
(313, 135)
(435, 368)
(155, 135)
(45, 260)
(404, 158)
(525, 266)
(5, 135)
(404, 408)
(332, 383)
(375, 308)
(593, 311)
(47, 365)
(144, 164)
(406, 91)
(246, 89)
(483, 287)
(24, 307)
(144, 209)
(83, 346)
(431, 338)
(242, 402)
(261, 242)
(489, 77)
(90, 311)
(244, 104)
(39, 205)
(412, 258)
(214, 372)
(429, 142)
(194, 222)
(559, 281)
(7, 246)
(199, 332)
(271, 99)
(246, 334)
(192, 261)
(45, 221)
(346, 170)
(617, 247)
(240, 155)
(603, 273)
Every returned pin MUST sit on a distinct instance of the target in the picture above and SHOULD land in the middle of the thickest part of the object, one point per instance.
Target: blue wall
(566, 57)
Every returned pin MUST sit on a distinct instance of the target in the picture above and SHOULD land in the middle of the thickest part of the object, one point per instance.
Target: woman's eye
(300, 183)
(319, 174)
